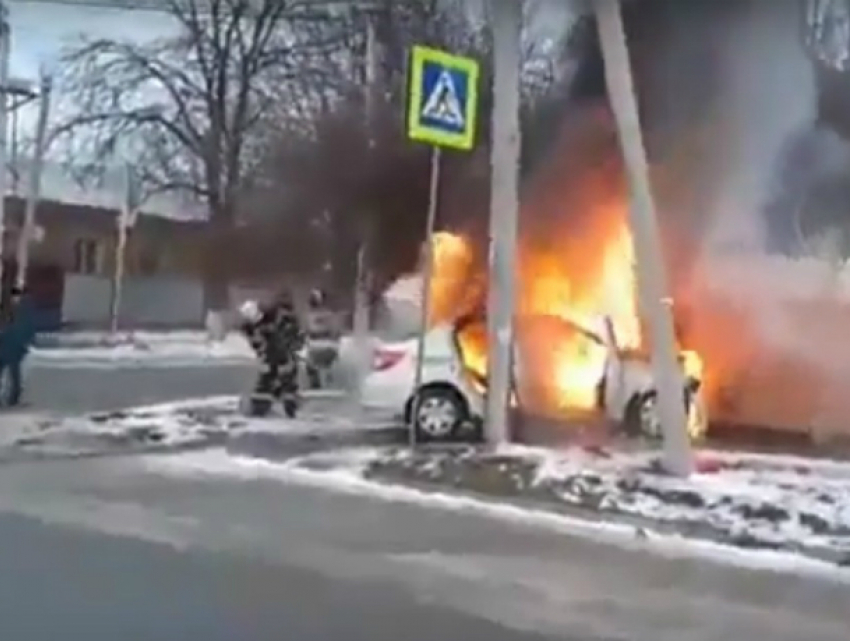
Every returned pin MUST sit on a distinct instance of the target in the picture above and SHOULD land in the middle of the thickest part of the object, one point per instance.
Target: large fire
(575, 268)
(581, 284)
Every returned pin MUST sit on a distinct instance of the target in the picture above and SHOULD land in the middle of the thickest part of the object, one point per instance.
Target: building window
(88, 256)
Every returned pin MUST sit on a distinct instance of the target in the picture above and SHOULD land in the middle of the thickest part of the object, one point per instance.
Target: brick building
(81, 240)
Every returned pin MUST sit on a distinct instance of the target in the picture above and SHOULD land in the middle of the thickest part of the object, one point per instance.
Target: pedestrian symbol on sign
(443, 99)
(443, 104)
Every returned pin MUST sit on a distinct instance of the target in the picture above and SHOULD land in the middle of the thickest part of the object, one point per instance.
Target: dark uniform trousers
(279, 379)
(276, 339)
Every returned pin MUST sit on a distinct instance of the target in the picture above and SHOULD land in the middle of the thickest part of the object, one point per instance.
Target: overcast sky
(39, 34)
(40, 31)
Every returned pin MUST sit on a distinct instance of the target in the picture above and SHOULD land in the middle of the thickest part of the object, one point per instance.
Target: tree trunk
(216, 291)
(217, 262)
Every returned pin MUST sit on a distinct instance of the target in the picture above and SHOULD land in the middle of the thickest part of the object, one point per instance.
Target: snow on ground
(343, 471)
(173, 425)
(165, 426)
(92, 349)
(746, 501)
(761, 499)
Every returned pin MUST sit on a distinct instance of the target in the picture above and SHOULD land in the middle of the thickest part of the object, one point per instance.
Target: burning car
(581, 370)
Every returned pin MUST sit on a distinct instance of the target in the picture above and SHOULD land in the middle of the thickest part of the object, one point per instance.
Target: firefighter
(276, 337)
(322, 340)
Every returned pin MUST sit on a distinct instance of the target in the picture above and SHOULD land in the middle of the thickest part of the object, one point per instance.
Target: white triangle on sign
(443, 104)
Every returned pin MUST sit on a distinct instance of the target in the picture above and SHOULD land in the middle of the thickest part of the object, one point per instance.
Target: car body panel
(390, 389)
(625, 373)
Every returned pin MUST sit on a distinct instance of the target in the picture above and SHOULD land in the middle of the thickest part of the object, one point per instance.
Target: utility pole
(126, 220)
(5, 43)
(27, 234)
(363, 276)
(652, 280)
(504, 214)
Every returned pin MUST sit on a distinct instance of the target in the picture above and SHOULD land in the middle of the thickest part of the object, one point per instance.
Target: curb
(10, 455)
(280, 446)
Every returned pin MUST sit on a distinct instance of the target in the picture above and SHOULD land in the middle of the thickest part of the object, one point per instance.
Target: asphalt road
(137, 590)
(111, 548)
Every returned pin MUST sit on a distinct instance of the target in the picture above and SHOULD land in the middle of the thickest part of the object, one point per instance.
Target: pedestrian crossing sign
(443, 98)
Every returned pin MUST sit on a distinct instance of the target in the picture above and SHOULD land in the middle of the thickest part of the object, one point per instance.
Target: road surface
(111, 548)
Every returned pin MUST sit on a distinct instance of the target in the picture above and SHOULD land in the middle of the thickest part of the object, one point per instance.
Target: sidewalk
(36, 435)
(92, 349)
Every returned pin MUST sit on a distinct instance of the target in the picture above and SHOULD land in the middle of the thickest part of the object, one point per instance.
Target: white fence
(157, 302)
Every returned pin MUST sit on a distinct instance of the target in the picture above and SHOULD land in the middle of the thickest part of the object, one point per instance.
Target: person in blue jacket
(16, 337)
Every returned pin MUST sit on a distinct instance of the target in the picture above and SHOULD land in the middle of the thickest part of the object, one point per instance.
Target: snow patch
(769, 500)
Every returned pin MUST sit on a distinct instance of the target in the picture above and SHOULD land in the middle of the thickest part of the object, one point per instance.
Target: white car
(449, 404)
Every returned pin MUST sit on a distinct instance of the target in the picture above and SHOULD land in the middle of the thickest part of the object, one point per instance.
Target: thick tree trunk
(217, 261)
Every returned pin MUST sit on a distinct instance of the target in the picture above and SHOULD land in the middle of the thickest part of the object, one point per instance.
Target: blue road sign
(443, 98)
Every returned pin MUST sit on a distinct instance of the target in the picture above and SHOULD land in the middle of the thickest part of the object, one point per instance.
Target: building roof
(52, 213)
(57, 185)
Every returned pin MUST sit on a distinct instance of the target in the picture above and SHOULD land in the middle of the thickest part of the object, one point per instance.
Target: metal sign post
(652, 281)
(427, 270)
(442, 112)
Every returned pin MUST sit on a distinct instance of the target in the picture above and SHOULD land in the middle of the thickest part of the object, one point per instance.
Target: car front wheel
(437, 414)
(642, 417)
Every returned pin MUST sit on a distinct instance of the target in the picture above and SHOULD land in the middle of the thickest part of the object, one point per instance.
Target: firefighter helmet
(250, 311)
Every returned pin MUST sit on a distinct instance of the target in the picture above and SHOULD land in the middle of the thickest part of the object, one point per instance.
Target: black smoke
(676, 48)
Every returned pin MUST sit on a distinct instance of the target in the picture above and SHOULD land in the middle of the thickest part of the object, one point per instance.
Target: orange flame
(563, 367)
(575, 267)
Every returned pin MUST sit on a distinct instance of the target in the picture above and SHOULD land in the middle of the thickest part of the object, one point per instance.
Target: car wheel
(437, 414)
(642, 417)
(697, 416)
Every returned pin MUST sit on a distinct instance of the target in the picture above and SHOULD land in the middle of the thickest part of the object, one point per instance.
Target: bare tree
(304, 180)
(387, 190)
(190, 109)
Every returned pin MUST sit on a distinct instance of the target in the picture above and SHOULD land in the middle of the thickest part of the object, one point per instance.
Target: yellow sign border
(416, 129)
